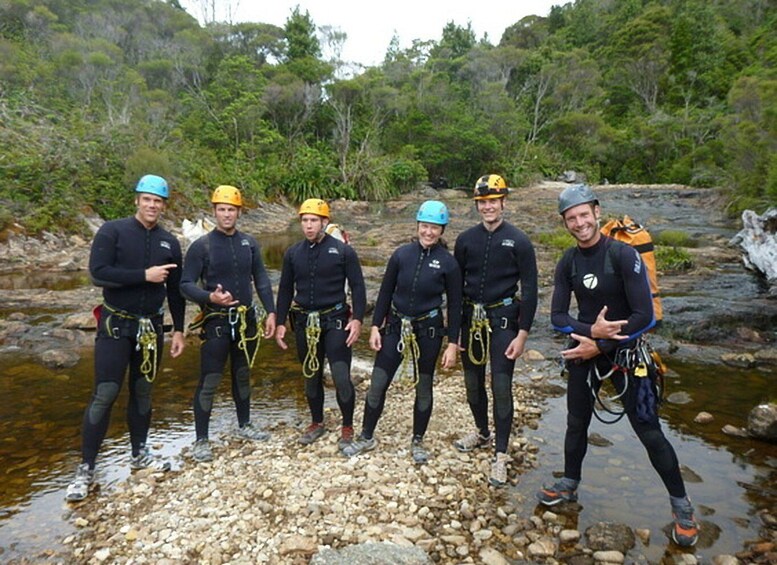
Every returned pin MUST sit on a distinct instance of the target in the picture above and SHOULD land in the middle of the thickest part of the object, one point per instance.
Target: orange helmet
(490, 186)
(226, 194)
(315, 206)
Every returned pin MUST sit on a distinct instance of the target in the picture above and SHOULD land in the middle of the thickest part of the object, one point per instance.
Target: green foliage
(95, 94)
(674, 238)
(557, 240)
(673, 259)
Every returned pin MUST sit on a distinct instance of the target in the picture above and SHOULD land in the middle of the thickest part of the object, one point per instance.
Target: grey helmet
(575, 195)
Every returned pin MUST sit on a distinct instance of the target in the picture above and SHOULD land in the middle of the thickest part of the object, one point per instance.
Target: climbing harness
(313, 328)
(408, 346)
(146, 342)
(237, 319)
(641, 369)
(409, 350)
(145, 336)
(480, 329)
(480, 332)
(311, 365)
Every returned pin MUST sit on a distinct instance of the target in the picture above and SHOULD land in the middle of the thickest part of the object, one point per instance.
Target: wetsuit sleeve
(193, 266)
(355, 277)
(102, 262)
(285, 287)
(175, 300)
(453, 293)
(387, 286)
(560, 318)
(528, 276)
(262, 279)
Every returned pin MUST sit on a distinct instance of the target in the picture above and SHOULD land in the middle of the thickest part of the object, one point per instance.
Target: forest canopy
(95, 93)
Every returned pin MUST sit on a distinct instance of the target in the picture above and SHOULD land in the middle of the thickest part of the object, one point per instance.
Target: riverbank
(156, 518)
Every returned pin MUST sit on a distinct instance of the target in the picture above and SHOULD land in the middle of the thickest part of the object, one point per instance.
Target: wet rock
(741, 360)
(606, 536)
(59, 359)
(762, 422)
(703, 418)
(730, 430)
(643, 534)
(767, 356)
(681, 397)
(689, 475)
(598, 440)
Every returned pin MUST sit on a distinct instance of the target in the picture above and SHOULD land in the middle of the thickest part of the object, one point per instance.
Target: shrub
(674, 238)
(673, 259)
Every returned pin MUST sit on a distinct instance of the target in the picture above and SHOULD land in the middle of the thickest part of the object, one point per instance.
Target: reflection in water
(42, 410)
(619, 485)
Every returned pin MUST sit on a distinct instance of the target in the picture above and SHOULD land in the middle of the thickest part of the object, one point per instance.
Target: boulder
(373, 554)
(762, 422)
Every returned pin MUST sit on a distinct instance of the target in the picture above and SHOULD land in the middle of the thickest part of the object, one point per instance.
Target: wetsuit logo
(638, 265)
(245, 243)
(508, 243)
(435, 264)
(334, 251)
(590, 281)
(165, 244)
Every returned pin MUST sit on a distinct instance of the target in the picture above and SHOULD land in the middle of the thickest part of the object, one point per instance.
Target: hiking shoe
(360, 445)
(201, 451)
(79, 488)
(685, 530)
(312, 433)
(145, 460)
(498, 476)
(418, 451)
(250, 433)
(559, 492)
(472, 441)
(346, 437)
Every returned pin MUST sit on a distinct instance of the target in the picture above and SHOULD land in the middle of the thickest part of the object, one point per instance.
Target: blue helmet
(433, 212)
(153, 184)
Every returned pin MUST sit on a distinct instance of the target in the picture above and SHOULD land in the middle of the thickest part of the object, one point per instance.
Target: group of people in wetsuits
(480, 301)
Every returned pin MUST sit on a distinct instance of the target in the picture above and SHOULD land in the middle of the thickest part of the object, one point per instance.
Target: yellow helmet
(226, 194)
(490, 186)
(315, 206)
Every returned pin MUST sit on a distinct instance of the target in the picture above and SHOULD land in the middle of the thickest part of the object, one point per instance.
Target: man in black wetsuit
(408, 326)
(221, 271)
(314, 274)
(615, 307)
(495, 259)
(138, 265)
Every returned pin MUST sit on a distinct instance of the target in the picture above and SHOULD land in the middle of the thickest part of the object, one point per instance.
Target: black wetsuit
(121, 252)
(413, 286)
(314, 276)
(235, 262)
(617, 279)
(494, 266)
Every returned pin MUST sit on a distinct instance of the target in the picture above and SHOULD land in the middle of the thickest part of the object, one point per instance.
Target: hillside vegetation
(94, 93)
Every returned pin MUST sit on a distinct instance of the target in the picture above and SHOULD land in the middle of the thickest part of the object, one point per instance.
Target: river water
(728, 478)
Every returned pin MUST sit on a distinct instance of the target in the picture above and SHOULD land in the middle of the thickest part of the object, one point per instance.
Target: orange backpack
(630, 232)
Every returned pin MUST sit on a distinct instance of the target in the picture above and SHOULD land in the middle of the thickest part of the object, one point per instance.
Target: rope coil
(480, 332)
(311, 365)
(409, 349)
(146, 339)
